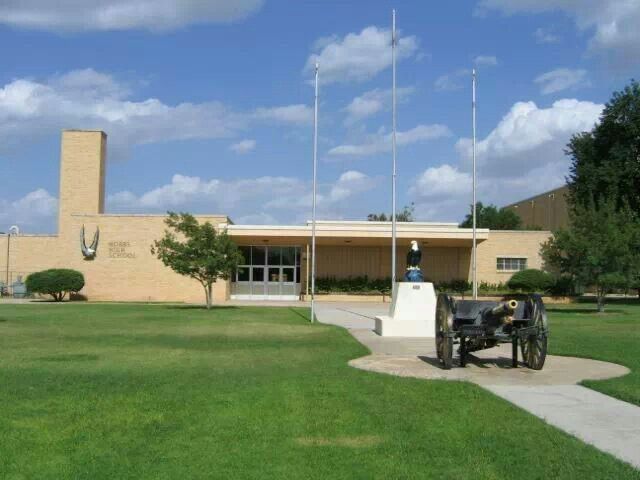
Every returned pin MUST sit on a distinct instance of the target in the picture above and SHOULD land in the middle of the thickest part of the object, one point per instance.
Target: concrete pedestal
(412, 312)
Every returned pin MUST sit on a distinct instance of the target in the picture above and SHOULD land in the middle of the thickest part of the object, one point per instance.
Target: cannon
(478, 325)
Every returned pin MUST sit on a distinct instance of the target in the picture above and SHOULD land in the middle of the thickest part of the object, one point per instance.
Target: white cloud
(543, 35)
(87, 15)
(380, 143)
(528, 136)
(357, 56)
(243, 146)
(298, 114)
(251, 200)
(522, 156)
(561, 79)
(486, 61)
(453, 81)
(612, 23)
(441, 181)
(374, 101)
(92, 100)
(35, 212)
(444, 193)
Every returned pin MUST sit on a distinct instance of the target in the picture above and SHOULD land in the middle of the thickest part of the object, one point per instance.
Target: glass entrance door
(268, 273)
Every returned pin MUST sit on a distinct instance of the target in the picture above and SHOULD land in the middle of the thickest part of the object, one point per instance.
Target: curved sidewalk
(551, 394)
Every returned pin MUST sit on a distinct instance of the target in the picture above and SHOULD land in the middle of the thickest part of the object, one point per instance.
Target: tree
(56, 282)
(493, 218)
(606, 160)
(599, 249)
(197, 251)
(377, 217)
(406, 215)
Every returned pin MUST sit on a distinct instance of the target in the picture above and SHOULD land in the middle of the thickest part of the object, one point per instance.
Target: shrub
(56, 282)
(361, 284)
(459, 286)
(531, 280)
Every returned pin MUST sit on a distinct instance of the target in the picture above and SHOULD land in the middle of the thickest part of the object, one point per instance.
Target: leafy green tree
(56, 282)
(377, 217)
(606, 160)
(599, 249)
(493, 218)
(197, 251)
(406, 215)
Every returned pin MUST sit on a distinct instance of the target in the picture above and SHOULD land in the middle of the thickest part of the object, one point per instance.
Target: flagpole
(393, 149)
(474, 265)
(313, 213)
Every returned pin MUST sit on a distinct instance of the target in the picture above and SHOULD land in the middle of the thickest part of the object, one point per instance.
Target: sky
(208, 106)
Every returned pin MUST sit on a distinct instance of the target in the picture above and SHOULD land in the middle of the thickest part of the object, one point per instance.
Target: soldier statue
(413, 273)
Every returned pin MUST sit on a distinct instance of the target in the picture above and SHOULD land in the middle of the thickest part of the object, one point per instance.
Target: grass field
(159, 392)
(613, 336)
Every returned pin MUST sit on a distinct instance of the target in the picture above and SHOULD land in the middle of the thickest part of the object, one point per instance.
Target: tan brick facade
(125, 270)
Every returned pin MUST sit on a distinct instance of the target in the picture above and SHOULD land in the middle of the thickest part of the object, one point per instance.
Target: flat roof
(361, 232)
(528, 199)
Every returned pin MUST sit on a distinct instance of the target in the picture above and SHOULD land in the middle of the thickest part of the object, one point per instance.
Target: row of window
(263, 256)
(268, 256)
(511, 264)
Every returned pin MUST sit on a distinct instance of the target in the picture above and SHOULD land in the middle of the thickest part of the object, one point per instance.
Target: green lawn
(577, 330)
(159, 392)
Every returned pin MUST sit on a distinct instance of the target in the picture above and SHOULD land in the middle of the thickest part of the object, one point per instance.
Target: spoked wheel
(444, 325)
(534, 347)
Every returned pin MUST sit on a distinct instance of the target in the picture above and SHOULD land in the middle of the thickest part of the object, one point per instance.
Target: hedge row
(528, 281)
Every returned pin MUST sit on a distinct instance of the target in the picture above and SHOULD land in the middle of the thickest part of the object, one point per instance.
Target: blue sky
(208, 105)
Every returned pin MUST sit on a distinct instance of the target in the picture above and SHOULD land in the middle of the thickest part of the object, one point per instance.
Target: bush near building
(56, 282)
(357, 285)
(531, 280)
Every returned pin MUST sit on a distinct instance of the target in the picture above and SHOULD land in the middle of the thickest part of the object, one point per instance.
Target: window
(511, 264)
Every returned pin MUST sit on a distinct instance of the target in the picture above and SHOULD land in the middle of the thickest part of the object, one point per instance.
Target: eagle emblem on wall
(89, 253)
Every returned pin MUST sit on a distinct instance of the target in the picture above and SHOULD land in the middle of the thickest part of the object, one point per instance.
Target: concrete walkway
(551, 394)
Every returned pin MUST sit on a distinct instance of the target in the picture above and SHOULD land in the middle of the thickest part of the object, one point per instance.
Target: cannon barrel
(504, 309)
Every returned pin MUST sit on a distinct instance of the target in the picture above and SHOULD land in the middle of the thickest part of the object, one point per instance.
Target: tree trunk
(208, 294)
(601, 294)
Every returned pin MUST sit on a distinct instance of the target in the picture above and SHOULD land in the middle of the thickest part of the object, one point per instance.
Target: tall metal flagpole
(393, 149)
(474, 266)
(313, 213)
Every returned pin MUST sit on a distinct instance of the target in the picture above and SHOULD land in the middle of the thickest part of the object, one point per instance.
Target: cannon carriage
(478, 325)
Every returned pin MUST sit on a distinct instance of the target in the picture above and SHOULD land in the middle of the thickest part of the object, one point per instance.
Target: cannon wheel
(444, 325)
(534, 347)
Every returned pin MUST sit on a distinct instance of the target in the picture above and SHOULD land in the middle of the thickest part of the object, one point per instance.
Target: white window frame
(512, 257)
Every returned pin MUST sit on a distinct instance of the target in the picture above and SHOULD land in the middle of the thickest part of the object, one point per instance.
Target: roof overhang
(356, 233)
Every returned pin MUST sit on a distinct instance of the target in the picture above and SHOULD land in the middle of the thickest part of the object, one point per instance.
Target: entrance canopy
(358, 233)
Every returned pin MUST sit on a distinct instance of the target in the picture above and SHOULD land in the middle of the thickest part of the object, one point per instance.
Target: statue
(413, 273)
(89, 253)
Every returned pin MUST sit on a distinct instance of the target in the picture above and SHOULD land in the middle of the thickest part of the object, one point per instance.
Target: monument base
(412, 312)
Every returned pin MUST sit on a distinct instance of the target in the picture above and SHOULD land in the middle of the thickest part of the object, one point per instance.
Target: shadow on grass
(200, 307)
(586, 311)
(295, 311)
(215, 343)
(610, 301)
(69, 357)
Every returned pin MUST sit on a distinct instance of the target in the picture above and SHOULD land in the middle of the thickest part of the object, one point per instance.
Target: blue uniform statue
(413, 273)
